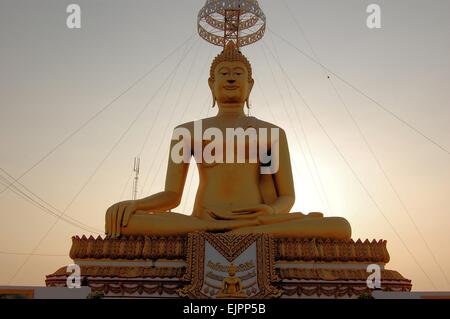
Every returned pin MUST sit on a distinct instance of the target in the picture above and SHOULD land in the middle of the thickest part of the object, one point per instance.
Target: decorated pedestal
(205, 265)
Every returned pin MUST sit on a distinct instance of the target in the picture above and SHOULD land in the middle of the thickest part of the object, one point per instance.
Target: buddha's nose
(231, 81)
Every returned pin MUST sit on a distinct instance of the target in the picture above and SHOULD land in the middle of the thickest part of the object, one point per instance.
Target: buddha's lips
(230, 88)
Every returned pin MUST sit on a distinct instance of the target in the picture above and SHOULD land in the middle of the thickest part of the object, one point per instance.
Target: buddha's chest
(231, 146)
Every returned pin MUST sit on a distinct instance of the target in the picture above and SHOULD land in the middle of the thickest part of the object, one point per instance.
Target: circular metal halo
(211, 21)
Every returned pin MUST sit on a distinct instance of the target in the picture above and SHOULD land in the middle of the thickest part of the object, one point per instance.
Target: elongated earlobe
(213, 101)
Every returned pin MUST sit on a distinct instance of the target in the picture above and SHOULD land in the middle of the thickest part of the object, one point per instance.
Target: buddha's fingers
(114, 233)
(111, 221)
(107, 223)
(126, 217)
(119, 218)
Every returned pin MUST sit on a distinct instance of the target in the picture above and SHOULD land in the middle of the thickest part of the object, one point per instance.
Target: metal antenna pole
(137, 161)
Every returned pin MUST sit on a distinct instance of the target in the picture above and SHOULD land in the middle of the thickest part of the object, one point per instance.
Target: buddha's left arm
(283, 179)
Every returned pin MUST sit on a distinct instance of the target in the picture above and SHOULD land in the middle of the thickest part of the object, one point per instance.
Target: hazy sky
(52, 80)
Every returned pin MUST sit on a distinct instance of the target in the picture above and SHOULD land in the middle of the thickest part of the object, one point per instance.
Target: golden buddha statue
(233, 196)
(231, 286)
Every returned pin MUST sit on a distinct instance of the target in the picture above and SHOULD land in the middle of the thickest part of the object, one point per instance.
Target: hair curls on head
(230, 54)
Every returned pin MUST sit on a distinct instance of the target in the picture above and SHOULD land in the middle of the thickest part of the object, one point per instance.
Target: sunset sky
(384, 167)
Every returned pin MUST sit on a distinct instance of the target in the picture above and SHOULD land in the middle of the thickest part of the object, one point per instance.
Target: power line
(204, 70)
(156, 117)
(296, 112)
(208, 109)
(91, 176)
(369, 147)
(125, 187)
(168, 124)
(26, 254)
(107, 106)
(161, 164)
(377, 206)
(391, 184)
(178, 99)
(320, 187)
(171, 115)
(385, 109)
(295, 167)
(49, 209)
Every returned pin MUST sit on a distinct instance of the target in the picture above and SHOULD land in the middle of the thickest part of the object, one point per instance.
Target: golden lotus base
(198, 266)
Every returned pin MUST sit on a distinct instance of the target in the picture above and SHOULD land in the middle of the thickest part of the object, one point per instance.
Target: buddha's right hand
(118, 215)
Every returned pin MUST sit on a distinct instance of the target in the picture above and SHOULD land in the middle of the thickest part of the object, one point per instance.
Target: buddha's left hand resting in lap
(232, 196)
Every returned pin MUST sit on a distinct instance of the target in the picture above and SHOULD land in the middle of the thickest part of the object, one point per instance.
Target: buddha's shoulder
(188, 125)
(204, 123)
(258, 124)
(248, 122)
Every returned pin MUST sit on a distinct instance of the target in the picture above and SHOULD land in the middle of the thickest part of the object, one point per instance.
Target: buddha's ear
(211, 86)
(250, 86)
(211, 83)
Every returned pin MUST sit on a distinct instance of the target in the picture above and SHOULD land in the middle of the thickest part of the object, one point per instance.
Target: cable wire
(368, 193)
(385, 109)
(90, 178)
(369, 147)
(102, 110)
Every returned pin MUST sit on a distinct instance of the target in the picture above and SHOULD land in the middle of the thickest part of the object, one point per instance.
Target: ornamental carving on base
(230, 266)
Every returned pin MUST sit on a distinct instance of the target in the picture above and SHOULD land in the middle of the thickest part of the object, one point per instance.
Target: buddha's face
(231, 84)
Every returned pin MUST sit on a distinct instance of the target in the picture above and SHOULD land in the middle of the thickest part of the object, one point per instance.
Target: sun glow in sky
(351, 157)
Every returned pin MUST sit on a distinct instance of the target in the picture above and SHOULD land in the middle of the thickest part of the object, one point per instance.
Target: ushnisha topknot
(230, 54)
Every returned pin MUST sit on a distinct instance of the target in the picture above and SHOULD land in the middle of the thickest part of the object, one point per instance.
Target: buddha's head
(232, 270)
(231, 77)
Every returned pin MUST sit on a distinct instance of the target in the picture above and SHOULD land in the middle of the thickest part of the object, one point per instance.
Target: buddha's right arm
(119, 214)
(173, 192)
(162, 201)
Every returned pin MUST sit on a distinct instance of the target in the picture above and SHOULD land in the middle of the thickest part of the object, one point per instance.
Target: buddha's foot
(307, 227)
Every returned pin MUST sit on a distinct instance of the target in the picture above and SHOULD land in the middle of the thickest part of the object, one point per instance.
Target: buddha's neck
(231, 110)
